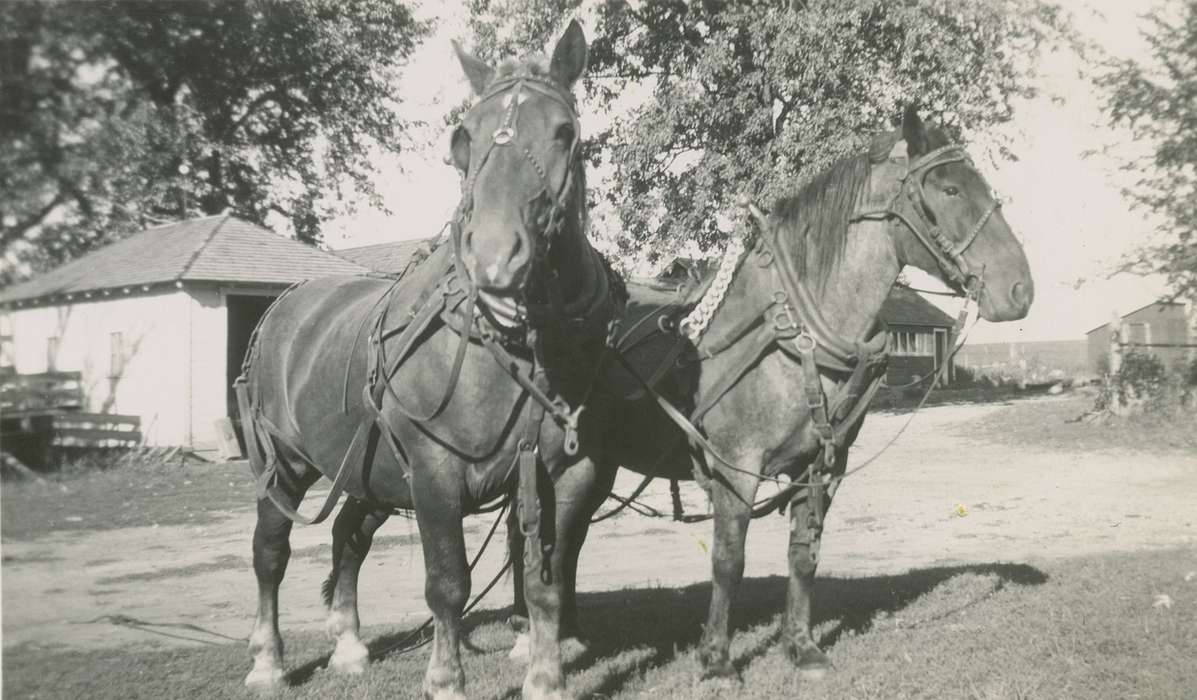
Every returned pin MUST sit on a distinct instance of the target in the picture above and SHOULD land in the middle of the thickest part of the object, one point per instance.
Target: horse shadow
(664, 623)
(668, 622)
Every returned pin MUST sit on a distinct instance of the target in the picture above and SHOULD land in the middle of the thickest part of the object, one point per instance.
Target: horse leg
(570, 543)
(447, 579)
(567, 505)
(599, 490)
(272, 550)
(353, 533)
(805, 535)
(732, 514)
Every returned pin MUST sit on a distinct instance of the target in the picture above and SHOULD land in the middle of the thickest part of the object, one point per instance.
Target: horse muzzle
(499, 265)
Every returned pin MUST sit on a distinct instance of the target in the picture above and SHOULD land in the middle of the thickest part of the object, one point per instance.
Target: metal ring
(780, 296)
(805, 342)
(503, 135)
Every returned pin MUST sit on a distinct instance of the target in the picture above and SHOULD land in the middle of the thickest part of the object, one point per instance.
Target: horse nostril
(517, 246)
(1018, 294)
(467, 238)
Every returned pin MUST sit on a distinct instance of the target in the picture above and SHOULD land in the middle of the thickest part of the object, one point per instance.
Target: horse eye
(951, 191)
(459, 149)
(565, 134)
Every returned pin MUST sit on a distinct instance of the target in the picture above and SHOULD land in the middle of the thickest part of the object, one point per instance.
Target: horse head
(517, 149)
(953, 224)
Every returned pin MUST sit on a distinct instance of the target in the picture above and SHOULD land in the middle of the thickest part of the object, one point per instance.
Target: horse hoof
(532, 692)
(519, 650)
(350, 657)
(264, 679)
(444, 694)
(720, 673)
(812, 663)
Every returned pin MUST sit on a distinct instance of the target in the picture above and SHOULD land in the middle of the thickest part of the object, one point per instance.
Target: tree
(1157, 99)
(116, 115)
(755, 97)
(721, 98)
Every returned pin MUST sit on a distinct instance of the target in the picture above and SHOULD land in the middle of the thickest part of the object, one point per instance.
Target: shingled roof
(904, 307)
(387, 258)
(219, 248)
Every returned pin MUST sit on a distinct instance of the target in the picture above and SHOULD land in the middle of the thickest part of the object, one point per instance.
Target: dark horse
(778, 361)
(446, 388)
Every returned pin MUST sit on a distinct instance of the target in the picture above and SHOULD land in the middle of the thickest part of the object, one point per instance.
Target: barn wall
(167, 365)
(1159, 323)
(138, 372)
(904, 369)
(206, 380)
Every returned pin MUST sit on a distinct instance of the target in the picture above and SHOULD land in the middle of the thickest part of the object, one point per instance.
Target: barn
(919, 337)
(1161, 328)
(157, 324)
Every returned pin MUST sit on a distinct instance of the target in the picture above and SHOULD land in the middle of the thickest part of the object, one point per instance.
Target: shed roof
(387, 258)
(906, 307)
(218, 248)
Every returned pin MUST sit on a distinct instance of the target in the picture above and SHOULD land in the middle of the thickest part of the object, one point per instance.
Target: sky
(1066, 207)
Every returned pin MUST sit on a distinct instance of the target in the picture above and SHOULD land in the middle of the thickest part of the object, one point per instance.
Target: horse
(457, 384)
(768, 375)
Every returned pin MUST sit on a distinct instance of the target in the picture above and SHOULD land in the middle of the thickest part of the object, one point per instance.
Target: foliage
(116, 115)
(501, 28)
(1143, 383)
(754, 97)
(1157, 99)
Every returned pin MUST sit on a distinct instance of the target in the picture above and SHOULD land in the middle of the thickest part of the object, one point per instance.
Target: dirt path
(1021, 503)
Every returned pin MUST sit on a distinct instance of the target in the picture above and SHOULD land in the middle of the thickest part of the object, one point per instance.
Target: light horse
(453, 386)
(777, 362)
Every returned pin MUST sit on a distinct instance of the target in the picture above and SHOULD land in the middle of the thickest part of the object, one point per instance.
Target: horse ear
(569, 58)
(914, 133)
(477, 71)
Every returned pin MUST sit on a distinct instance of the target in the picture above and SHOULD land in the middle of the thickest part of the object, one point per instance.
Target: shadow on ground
(669, 621)
(662, 623)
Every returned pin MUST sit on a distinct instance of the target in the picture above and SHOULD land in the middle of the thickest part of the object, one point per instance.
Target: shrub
(1144, 384)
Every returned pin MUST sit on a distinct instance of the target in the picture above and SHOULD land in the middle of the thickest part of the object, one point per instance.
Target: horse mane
(530, 66)
(817, 216)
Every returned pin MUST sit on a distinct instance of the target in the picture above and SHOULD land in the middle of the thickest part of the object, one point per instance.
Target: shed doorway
(244, 312)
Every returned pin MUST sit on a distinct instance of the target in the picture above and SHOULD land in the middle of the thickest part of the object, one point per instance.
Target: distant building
(919, 337)
(158, 323)
(1161, 328)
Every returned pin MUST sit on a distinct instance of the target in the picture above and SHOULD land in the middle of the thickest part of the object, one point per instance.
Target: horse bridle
(507, 135)
(909, 205)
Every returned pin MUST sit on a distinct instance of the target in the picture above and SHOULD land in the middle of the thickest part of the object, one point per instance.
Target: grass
(1053, 424)
(1083, 628)
(129, 496)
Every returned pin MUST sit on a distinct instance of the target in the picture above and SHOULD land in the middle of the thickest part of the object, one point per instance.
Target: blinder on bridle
(910, 206)
(507, 136)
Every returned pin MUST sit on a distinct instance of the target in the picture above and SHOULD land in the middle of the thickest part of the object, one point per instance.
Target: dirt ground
(942, 495)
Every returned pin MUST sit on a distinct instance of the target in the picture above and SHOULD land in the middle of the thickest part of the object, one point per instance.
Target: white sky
(1067, 208)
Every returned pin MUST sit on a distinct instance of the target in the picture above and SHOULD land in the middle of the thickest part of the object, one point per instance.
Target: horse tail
(329, 587)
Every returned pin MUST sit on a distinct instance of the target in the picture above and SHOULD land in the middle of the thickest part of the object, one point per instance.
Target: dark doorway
(244, 313)
(941, 353)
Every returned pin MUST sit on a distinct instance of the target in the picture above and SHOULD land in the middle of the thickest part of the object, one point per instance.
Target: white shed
(158, 323)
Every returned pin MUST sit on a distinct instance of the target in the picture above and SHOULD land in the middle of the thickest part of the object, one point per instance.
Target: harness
(790, 320)
(909, 205)
(455, 302)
